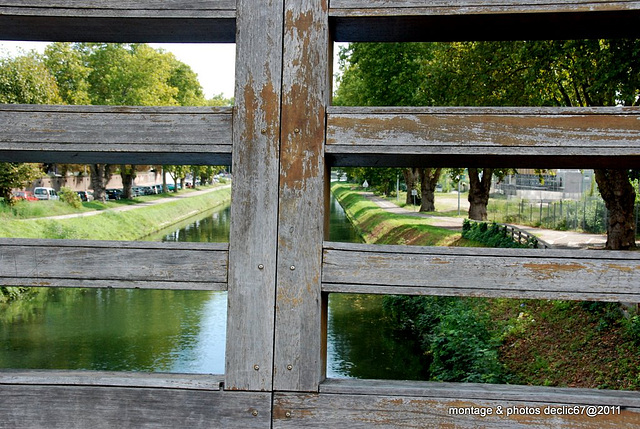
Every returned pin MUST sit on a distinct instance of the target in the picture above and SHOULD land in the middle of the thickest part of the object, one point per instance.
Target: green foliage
(70, 197)
(455, 338)
(26, 80)
(494, 235)
(16, 175)
(633, 328)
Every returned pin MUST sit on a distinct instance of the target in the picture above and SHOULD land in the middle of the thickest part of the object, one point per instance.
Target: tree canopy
(521, 73)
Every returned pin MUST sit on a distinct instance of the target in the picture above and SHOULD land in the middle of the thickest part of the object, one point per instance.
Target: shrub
(70, 197)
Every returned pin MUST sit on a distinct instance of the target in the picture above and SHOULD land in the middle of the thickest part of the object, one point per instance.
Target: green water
(184, 331)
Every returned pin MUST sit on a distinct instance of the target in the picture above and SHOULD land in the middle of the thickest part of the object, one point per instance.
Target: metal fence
(588, 215)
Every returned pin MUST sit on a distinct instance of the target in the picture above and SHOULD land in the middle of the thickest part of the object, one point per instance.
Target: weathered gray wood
(111, 379)
(78, 263)
(118, 21)
(299, 363)
(468, 6)
(123, 134)
(254, 197)
(408, 270)
(65, 407)
(404, 21)
(464, 137)
(376, 403)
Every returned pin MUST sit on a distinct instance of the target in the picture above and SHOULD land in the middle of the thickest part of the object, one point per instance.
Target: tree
(598, 73)
(23, 80)
(388, 74)
(121, 74)
(26, 80)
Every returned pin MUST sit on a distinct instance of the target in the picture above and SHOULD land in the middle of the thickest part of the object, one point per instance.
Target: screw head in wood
(289, 367)
(293, 267)
(260, 267)
(287, 414)
(256, 367)
(296, 130)
(254, 413)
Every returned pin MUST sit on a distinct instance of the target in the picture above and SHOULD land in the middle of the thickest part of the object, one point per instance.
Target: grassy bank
(535, 342)
(376, 225)
(110, 225)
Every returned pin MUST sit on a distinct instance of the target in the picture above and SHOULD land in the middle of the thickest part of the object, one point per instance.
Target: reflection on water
(116, 330)
(184, 331)
(122, 329)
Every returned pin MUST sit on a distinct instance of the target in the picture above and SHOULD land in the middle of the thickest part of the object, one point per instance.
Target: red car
(24, 195)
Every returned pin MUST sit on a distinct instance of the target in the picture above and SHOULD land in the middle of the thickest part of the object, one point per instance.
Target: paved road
(558, 239)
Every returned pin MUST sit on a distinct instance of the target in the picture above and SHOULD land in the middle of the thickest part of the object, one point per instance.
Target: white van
(45, 193)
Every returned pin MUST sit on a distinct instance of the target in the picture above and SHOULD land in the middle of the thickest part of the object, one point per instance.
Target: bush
(493, 236)
(456, 341)
(70, 197)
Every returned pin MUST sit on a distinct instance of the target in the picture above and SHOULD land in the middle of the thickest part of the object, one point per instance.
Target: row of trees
(98, 74)
(523, 73)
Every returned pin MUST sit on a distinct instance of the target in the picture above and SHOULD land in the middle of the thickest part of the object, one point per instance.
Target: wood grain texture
(131, 135)
(299, 363)
(254, 197)
(526, 273)
(384, 404)
(66, 407)
(463, 137)
(79, 263)
(111, 379)
(118, 21)
(422, 21)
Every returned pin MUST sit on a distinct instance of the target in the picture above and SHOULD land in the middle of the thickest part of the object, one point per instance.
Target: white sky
(214, 63)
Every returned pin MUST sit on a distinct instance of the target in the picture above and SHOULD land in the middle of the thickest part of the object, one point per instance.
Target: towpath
(558, 239)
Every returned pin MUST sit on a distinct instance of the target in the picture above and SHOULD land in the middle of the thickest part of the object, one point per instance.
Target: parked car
(43, 193)
(114, 194)
(24, 195)
(85, 196)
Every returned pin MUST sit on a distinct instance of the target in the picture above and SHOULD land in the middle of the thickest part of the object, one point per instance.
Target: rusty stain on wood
(549, 270)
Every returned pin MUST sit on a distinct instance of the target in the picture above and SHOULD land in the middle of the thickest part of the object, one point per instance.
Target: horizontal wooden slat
(110, 134)
(384, 404)
(111, 379)
(500, 137)
(440, 20)
(482, 272)
(118, 20)
(79, 402)
(79, 263)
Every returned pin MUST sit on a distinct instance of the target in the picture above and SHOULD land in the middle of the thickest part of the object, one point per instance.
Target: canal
(184, 331)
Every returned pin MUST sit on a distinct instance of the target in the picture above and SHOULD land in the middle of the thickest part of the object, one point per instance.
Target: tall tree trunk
(619, 197)
(410, 177)
(165, 189)
(128, 175)
(479, 189)
(100, 175)
(428, 180)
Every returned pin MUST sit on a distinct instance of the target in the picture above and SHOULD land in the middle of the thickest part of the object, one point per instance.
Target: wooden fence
(282, 136)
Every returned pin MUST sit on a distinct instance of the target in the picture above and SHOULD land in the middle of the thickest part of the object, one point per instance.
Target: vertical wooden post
(254, 196)
(299, 364)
